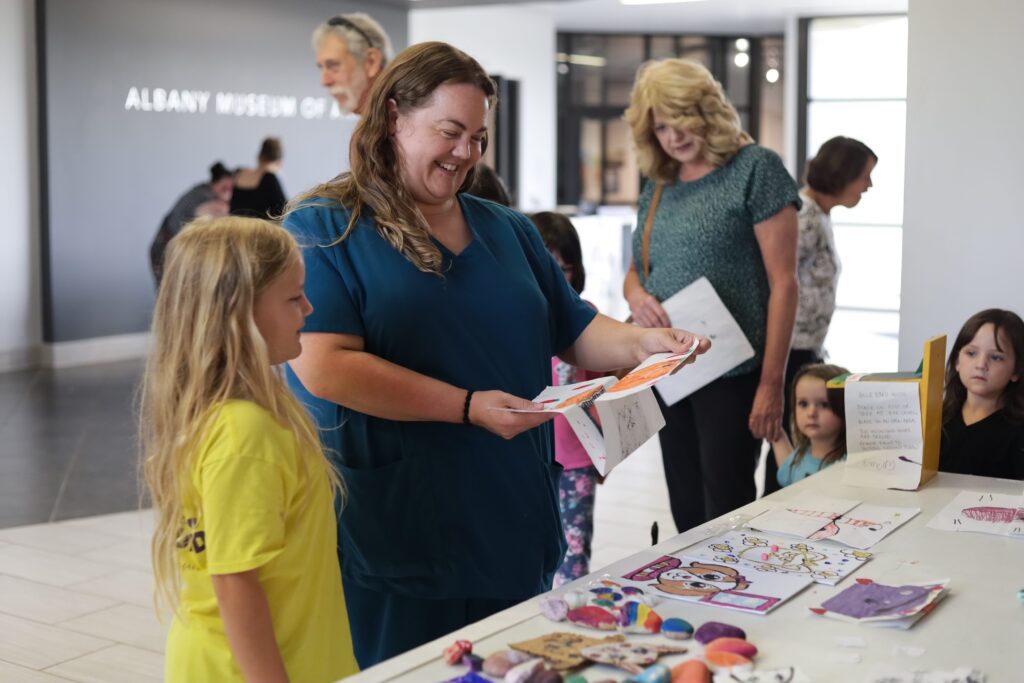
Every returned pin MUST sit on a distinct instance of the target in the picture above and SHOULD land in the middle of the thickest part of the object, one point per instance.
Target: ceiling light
(741, 59)
(580, 60)
(771, 75)
(742, 44)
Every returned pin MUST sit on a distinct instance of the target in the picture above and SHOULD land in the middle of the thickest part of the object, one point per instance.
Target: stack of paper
(850, 522)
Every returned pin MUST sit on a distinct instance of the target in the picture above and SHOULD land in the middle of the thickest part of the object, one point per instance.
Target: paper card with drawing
(703, 581)
(1000, 514)
(893, 606)
(698, 308)
(612, 419)
(858, 527)
(883, 434)
(759, 553)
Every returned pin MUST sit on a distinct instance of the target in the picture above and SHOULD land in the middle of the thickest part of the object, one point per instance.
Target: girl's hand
(646, 310)
(663, 339)
(485, 410)
(766, 415)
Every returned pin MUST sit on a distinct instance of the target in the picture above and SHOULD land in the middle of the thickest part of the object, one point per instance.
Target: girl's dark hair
(837, 164)
(218, 171)
(559, 235)
(489, 185)
(800, 441)
(1011, 327)
(270, 150)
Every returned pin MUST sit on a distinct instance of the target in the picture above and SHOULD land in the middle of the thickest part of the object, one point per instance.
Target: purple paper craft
(864, 600)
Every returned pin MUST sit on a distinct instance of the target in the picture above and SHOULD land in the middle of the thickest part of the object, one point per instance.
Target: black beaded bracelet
(465, 408)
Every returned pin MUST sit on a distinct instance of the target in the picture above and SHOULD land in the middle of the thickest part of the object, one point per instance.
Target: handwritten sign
(883, 434)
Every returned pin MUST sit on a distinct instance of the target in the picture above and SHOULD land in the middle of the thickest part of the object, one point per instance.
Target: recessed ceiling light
(771, 75)
(741, 59)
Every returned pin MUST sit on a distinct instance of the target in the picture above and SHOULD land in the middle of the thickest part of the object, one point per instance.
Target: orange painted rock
(691, 671)
(735, 645)
(728, 662)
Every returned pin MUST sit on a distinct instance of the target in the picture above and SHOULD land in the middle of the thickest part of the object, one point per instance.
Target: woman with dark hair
(258, 192)
(436, 315)
(211, 199)
(487, 184)
(838, 175)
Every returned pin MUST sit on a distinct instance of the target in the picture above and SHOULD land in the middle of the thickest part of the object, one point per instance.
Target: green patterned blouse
(706, 227)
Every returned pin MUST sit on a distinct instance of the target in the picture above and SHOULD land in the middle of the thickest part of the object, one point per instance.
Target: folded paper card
(867, 601)
(859, 525)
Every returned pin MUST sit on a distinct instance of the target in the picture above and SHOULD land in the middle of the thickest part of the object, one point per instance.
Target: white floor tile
(132, 554)
(118, 664)
(127, 585)
(129, 525)
(128, 624)
(48, 604)
(38, 646)
(19, 674)
(58, 537)
(51, 568)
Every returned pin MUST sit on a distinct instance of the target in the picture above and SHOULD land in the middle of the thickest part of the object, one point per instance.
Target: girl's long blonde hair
(688, 96)
(374, 183)
(206, 349)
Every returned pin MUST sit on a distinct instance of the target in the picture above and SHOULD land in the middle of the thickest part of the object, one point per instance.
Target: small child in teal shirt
(819, 432)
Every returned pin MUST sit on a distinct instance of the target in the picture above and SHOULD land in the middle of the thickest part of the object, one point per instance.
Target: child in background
(579, 476)
(820, 433)
(983, 408)
(244, 544)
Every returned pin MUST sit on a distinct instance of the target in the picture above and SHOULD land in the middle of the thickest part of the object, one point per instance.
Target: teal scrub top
(438, 509)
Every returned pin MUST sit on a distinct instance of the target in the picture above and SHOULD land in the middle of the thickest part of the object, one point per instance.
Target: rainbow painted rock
(713, 630)
(652, 674)
(592, 616)
(676, 628)
(454, 653)
(636, 617)
(521, 673)
(691, 671)
(728, 663)
(736, 646)
(498, 663)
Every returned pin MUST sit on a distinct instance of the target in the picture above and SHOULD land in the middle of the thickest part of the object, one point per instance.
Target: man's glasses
(342, 21)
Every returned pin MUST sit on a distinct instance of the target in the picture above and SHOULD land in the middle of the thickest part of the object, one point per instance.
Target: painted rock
(454, 653)
(471, 677)
(554, 609)
(652, 674)
(691, 671)
(575, 599)
(576, 678)
(636, 617)
(592, 616)
(735, 645)
(474, 662)
(676, 629)
(728, 663)
(545, 676)
(498, 663)
(521, 673)
(714, 630)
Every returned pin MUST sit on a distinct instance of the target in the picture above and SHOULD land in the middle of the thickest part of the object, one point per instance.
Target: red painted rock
(728, 662)
(591, 616)
(737, 646)
(691, 671)
(455, 652)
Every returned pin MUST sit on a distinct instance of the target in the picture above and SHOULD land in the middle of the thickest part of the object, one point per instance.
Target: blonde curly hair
(685, 94)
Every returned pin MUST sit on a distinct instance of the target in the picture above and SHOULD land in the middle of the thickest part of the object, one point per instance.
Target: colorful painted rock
(575, 599)
(592, 616)
(521, 673)
(728, 663)
(652, 674)
(498, 663)
(691, 671)
(737, 646)
(474, 662)
(453, 655)
(554, 609)
(576, 679)
(713, 630)
(636, 617)
(471, 677)
(676, 628)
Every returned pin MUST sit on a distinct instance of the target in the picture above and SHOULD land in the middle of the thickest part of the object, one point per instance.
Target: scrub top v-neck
(443, 509)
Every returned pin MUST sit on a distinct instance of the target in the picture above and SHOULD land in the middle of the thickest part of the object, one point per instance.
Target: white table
(980, 623)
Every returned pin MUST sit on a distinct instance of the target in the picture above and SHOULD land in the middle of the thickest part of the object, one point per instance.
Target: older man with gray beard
(351, 51)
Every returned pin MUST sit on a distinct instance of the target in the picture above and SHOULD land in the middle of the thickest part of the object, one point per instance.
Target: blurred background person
(258, 192)
(211, 198)
(487, 184)
(351, 51)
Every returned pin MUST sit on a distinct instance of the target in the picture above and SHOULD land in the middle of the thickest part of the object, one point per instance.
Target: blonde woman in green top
(727, 211)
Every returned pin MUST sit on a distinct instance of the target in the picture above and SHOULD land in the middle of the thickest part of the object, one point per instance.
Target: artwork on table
(765, 553)
(1000, 514)
(613, 418)
(817, 518)
(867, 601)
(631, 657)
(700, 580)
(562, 650)
(789, 674)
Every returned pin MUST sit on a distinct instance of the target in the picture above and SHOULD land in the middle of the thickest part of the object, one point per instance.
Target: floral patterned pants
(576, 505)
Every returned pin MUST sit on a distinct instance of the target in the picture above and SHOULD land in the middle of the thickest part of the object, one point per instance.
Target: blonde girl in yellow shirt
(244, 545)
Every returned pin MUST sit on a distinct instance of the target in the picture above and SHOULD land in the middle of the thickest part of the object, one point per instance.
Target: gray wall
(110, 174)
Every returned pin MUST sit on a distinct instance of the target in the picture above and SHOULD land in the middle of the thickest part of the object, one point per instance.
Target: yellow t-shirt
(256, 510)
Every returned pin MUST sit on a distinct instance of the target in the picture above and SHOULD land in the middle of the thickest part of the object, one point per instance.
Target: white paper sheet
(999, 514)
(883, 434)
(802, 516)
(698, 308)
(860, 527)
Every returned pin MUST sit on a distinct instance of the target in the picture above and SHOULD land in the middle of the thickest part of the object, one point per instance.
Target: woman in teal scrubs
(434, 313)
